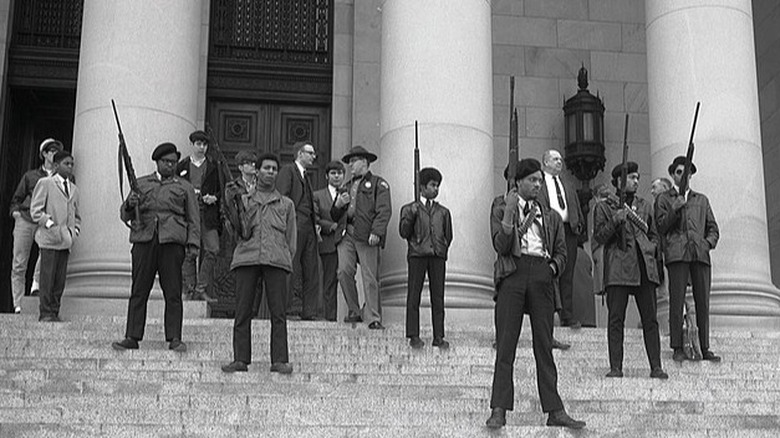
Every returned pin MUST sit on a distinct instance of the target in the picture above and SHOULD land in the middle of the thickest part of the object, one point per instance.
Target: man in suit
(293, 182)
(202, 172)
(331, 233)
(55, 207)
(529, 244)
(562, 198)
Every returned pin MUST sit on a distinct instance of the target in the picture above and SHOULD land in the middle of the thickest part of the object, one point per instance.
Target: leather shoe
(560, 345)
(679, 355)
(353, 318)
(658, 373)
(416, 343)
(710, 356)
(234, 366)
(497, 418)
(177, 345)
(126, 344)
(615, 372)
(281, 368)
(562, 419)
(376, 325)
(441, 343)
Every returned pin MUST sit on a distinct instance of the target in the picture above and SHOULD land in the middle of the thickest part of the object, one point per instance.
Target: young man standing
(366, 206)
(55, 207)
(24, 226)
(531, 252)
(427, 227)
(690, 232)
(331, 233)
(264, 251)
(202, 172)
(168, 226)
(630, 242)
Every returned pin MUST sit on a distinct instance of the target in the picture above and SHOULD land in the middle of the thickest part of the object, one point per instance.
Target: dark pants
(149, 259)
(330, 284)
(275, 282)
(566, 280)
(303, 293)
(436, 268)
(54, 264)
(679, 273)
(529, 287)
(617, 300)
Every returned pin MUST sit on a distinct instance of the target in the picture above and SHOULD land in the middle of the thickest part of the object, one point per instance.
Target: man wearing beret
(689, 231)
(293, 182)
(531, 252)
(627, 232)
(202, 172)
(167, 226)
(24, 226)
(366, 204)
(562, 198)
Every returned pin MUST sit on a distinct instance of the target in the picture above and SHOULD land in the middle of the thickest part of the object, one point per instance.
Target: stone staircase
(64, 380)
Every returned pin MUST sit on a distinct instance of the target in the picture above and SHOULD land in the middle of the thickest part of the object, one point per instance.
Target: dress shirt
(531, 242)
(552, 194)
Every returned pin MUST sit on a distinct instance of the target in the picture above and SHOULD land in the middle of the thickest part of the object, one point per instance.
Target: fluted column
(703, 50)
(145, 55)
(436, 69)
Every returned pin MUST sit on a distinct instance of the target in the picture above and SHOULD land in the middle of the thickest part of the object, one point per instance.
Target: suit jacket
(209, 186)
(330, 239)
(693, 241)
(49, 202)
(290, 183)
(576, 218)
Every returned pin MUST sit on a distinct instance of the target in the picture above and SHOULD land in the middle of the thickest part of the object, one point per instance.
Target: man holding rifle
(688, 227)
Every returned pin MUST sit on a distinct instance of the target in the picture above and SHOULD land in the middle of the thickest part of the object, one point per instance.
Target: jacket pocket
(172, 229)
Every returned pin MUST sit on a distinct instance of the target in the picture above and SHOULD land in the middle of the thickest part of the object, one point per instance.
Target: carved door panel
(301, 123)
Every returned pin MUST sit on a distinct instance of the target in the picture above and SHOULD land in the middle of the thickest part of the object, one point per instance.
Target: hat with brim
(359, 151)
(49, 143)
(677, 162)
(165, 149)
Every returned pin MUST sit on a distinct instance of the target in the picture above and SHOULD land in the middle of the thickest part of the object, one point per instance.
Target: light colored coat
(49, 202)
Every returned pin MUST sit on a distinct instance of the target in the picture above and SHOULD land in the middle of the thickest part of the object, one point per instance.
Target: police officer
(169, 222)
(367, 207)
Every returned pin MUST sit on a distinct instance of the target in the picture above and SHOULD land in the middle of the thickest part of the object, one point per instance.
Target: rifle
(416, 165)
(513, 141)
(125, 161)
(689, 155)
(222, 170)
(623, 180)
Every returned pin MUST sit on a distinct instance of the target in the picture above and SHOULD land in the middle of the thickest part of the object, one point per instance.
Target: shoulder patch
(384, 184)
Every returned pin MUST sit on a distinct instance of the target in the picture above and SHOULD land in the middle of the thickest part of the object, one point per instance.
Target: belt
(532, 259)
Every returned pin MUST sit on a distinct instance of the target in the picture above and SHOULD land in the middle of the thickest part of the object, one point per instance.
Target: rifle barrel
(416, 164)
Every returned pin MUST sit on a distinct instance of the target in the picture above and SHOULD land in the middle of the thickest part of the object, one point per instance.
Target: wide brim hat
(165, 149)
(359, 151)
(50, 143)
(678, 161)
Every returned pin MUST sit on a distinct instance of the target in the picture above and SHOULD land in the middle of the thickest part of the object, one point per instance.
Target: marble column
(436, 69)
(703, 50)
(145, 56)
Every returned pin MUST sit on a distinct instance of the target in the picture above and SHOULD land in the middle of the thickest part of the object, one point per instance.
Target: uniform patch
(368, 184)
(384, 184)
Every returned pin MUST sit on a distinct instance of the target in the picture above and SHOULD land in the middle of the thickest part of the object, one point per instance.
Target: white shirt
(333, 191)
(552, 193)
(301, 170)
(531, 243)
(196, 162)
(687, 192)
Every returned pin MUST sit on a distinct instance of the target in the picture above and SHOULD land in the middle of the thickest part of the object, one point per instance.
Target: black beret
(165, 149)
(680, 160)
(199, 135)
(632, 168)
(527, 166)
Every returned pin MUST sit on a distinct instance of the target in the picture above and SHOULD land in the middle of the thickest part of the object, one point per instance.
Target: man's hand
(333, 227)
(512, 199)
(373, 239)
(414, 208)
(209, 199)
(15, 214)
(342, 200)
(620, 216)
(133, 200)
(678, 202)
(192, 251)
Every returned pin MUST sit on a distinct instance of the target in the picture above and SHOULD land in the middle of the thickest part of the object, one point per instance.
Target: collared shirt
(333, 191)
(63, 181)
(49, 172)
(687, 192)
(552, 194)
(531, 242)
(301, 170)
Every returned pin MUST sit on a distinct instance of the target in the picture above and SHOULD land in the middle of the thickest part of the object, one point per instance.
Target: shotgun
(124, 161)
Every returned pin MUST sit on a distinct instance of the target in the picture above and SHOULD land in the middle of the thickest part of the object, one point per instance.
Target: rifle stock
(416, 165)
(126, 161)
(689, 154)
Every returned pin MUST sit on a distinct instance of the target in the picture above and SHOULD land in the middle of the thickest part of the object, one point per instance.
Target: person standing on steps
(332, 233)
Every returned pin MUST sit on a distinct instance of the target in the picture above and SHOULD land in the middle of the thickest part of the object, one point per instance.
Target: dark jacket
(702, 229)
(576, 218)
(429, 232)
(209, 186)
(330, 239)
(169, 209)
(273, 235)
(373, 209)
(291, 184)
(553, 235)
(20, 201)
(621, 266)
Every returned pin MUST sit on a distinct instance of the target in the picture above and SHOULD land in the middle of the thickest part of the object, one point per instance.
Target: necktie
(427, 204)
(530, 215)
(561, 202)
(67, 192)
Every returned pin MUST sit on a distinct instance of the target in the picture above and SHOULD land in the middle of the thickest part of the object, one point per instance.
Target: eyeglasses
(248, 163)
(309, 152)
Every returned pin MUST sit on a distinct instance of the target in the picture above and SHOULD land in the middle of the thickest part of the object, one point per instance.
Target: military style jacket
(429, 232)
(372, 209)
(690, 240)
